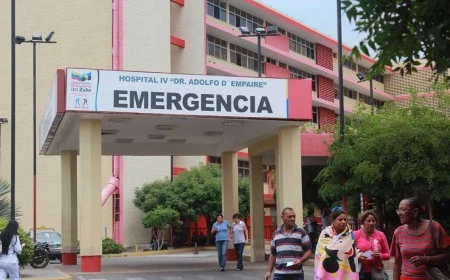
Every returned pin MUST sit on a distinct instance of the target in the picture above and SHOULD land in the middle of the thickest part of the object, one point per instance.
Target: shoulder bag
(378, 274)
(441, 272)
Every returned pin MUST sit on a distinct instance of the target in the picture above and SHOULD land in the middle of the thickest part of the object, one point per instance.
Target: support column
(258, 253)
(69, 239)
(230, 193)
(229, 185)
(90, 188)
(289, 173)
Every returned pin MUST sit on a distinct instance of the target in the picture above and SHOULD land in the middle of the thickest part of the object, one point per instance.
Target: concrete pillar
(289, 175)
(230, 200)
(90, 188)
(69, 239)
(229, 185)
(257, 209)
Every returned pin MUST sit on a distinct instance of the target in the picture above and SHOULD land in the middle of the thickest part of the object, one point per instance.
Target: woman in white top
(9, 263)
(240, 237)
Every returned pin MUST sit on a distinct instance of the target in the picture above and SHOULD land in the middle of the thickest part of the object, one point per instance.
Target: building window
(217, 9)
(282, 65)
(245, 58)
(300, 74)
(301, 46)
(116, 199)
(315, 115)
(350, 65)
(217, 47)
(240, 18)
(378, 103)
(215, 160)
(362, 69)
(243, 168)
(364, 98)
(271, 60)
(379, 78)
(350, 93)
(280, 30)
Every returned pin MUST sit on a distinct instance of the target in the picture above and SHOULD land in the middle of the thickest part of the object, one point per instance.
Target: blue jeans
(299, 276)
(239, 248)
(221, 247)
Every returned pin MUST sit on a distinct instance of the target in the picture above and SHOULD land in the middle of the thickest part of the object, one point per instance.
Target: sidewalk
(60, 272)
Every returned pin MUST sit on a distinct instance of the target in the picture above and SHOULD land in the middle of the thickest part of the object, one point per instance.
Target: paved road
(249, 274)
(178, 266)
(175, 267)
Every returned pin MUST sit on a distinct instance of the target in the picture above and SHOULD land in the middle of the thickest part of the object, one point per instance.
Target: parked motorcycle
(41, 255)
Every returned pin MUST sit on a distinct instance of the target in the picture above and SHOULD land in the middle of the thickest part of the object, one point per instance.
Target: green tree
(5, 202)
(397, 152)
(194, 193)
(160, 219)
(402, 31)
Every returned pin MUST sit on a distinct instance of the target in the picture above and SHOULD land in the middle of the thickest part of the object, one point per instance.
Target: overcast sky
(318, 14)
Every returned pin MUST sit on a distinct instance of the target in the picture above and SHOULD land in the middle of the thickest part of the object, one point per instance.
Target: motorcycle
(41, 255)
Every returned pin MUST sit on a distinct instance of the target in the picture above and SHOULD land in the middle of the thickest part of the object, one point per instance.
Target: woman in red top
(412, 244)
(370, 239)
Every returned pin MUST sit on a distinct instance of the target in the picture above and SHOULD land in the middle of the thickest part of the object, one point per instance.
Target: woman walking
(9, 263)
(222, 229)
(368, 239)
(413, 245)
(240, 237)
(336, 252)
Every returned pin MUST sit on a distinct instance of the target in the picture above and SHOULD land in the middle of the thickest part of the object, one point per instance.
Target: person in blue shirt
(223, 231)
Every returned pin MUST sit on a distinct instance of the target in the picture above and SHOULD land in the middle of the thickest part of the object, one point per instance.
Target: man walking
(290, 248)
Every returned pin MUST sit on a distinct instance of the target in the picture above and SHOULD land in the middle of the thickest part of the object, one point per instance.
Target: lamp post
(35, 39)
(2, 121)
(363, 78)
(259, 32)
(13, 110)
(340, 72)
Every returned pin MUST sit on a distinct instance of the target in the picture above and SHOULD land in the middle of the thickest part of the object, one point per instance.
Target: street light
(259, 32)
(363, 78)
(35, 39)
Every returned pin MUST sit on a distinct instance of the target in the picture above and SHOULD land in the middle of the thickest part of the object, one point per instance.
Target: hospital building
(90, 159)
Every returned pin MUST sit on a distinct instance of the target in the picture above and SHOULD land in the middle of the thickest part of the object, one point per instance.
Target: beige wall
(83, 32)
(137, 172)
(188, 161)
(188, 23)
(146, 39)
(146, 47)
(421, 81)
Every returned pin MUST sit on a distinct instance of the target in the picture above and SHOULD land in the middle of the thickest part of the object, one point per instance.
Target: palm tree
(5, 200)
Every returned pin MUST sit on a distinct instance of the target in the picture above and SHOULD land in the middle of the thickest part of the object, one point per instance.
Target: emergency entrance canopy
(192, 108)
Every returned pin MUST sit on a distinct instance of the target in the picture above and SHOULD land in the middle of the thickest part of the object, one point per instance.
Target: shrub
(27, 250)
(110, 246)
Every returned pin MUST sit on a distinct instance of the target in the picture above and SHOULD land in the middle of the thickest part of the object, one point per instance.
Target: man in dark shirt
(290, 248)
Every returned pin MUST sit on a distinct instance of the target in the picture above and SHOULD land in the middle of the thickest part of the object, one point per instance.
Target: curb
(150, 253)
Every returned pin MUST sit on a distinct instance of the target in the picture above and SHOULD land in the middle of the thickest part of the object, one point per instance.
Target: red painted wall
(280, 42)
(325, 88)
(326, 116)
(273, 71)
(324, 56)
(315, 145)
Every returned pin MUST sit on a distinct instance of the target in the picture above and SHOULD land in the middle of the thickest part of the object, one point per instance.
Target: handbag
(441, 272)
(378, 274)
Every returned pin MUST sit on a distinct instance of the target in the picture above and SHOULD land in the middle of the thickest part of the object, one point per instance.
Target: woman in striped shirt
(412, 244)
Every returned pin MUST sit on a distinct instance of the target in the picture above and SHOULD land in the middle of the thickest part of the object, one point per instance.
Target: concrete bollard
(196, 249)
